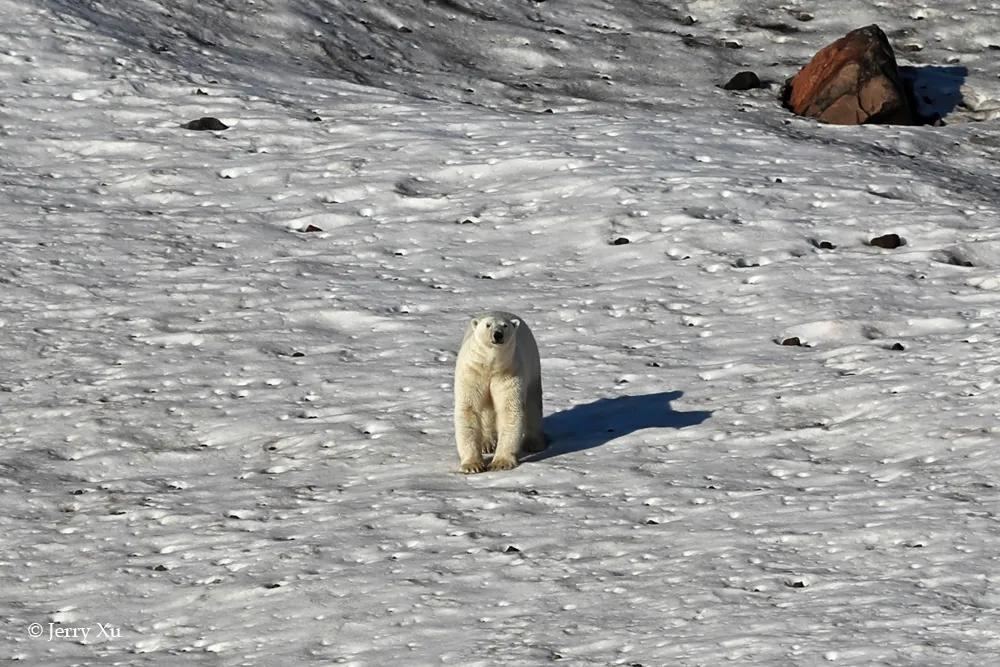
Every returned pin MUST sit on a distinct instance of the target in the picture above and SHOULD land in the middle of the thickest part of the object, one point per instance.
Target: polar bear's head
(495, 329)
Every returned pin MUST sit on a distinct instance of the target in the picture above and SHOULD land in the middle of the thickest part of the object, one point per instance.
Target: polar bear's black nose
(497, 336)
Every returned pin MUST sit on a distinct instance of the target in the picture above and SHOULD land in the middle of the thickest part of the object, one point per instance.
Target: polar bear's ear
(516, 323)
(475, 323)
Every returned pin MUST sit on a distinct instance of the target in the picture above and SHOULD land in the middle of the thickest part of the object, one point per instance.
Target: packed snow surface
(227, 356)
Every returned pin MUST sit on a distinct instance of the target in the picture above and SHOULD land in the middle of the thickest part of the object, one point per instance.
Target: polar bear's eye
(489, 326)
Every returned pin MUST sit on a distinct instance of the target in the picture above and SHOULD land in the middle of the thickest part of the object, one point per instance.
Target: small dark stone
(298, 354)
(897, 347)
(621, 240)
(511, 549)
(206, 123)
(745, 80)
(548, 111)
(796, 583)
(793, 341)
(161, 568)
(309, 229)
(889, 241)
(654, 364)
(200, 92)
(405, 29)
(778, 27)
(994, 47)
(824, 245)
(732, 44)
(688, 20)
(652, 522)
(316, 119)
(779, 180)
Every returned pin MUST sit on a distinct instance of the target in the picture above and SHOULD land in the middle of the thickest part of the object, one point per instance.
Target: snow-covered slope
(226, 440)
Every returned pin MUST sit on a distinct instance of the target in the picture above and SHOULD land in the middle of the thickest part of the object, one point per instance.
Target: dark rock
(621, 240)
(746, 80)
(688, 20)
(732, 44)
(778, 27)
(897, 347)
(824, 245)
(200, 92)
(206, 123)
(889, 241)
(793, 341)
(852, 81)
(511, 549)
(311, 228)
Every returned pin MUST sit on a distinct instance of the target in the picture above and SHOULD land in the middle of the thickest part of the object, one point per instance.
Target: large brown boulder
(851, 82)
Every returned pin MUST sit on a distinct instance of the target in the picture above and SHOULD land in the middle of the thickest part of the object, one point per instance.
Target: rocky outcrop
(852, 81)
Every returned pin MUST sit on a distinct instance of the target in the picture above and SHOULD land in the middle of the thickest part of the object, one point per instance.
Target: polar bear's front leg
(508, 401)
(468, 436)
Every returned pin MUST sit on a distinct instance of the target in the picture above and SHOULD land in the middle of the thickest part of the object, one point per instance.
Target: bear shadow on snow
(590, 425)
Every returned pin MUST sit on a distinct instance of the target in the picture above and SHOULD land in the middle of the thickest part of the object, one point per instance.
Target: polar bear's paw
(471, 467)
(503, 463)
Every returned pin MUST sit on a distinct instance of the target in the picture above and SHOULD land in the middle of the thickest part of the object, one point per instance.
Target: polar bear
(498, 393)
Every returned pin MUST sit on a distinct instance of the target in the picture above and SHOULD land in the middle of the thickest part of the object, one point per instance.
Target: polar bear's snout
(498, 336)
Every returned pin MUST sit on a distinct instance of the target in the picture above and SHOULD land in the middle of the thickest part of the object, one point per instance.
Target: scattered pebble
(206, 123)
(889, 241)
(745, 80)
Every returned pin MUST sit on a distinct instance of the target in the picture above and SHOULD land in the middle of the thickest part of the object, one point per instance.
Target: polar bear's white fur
(498, 393)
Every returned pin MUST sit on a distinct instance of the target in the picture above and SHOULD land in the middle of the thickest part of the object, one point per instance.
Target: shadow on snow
(936, 90)
(593, 424)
